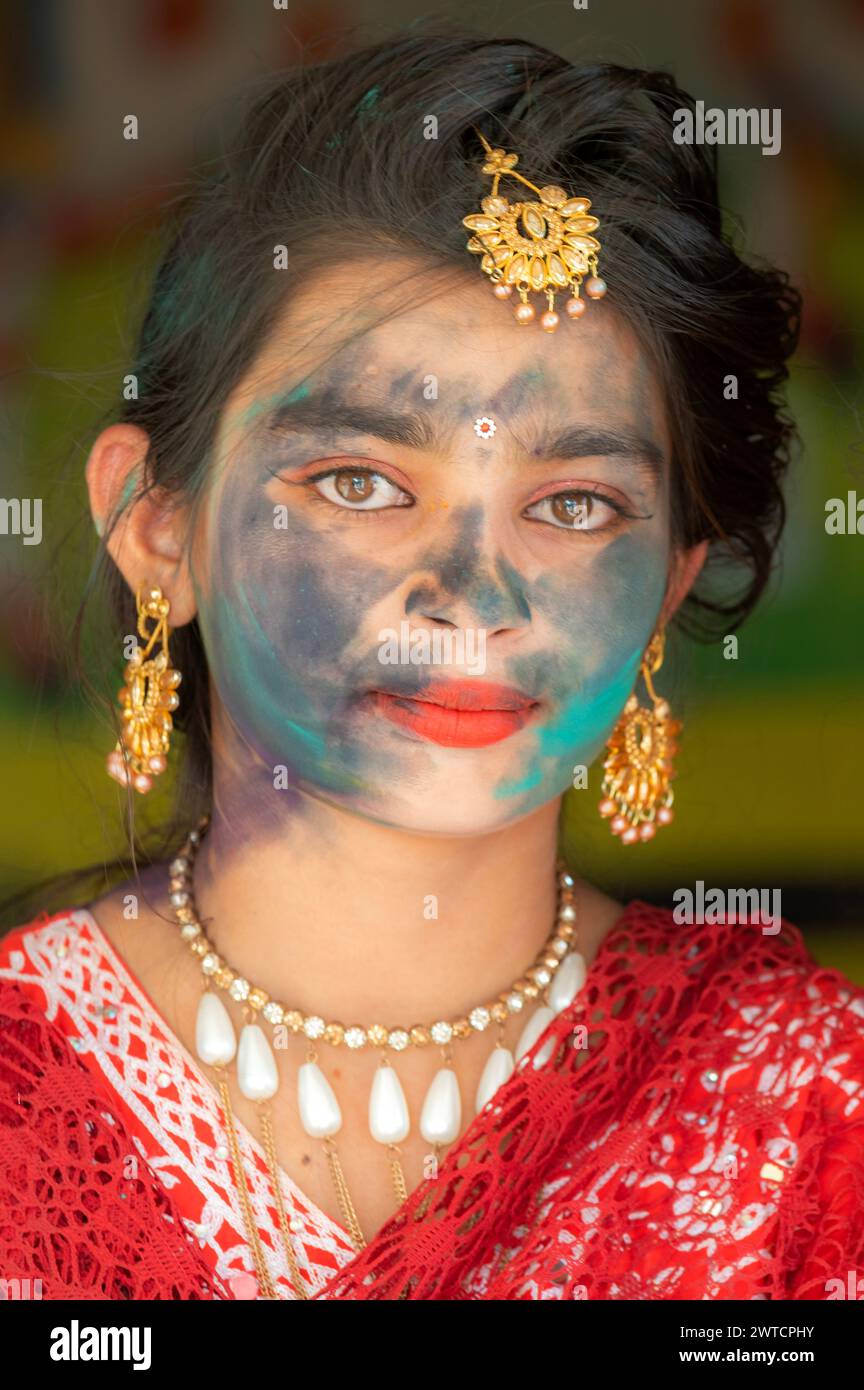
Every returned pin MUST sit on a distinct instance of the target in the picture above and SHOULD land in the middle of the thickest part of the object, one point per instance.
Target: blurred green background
(770, 769)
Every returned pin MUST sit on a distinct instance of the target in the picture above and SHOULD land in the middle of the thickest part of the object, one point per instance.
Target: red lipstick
(458, 714)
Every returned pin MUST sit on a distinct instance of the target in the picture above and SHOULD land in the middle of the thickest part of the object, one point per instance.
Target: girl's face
(423, 619)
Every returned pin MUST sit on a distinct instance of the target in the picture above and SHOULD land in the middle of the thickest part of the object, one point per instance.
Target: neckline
(128, 978)
(317, 1216)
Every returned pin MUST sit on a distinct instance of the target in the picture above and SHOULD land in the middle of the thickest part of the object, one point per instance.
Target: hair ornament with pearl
(542, 246)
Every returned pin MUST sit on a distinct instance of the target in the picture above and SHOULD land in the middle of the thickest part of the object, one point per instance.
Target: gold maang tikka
(543, 246)
(147, 697)
(638, 768)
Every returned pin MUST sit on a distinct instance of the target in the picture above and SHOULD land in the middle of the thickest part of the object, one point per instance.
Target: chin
(446, 805)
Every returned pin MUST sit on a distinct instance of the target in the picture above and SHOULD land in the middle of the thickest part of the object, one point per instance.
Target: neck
(337, 915)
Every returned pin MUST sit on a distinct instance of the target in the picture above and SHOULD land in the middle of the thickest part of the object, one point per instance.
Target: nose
(469, 587)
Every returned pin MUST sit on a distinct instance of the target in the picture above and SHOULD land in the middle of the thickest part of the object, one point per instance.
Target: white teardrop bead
(496, 1071)
(537, 1024)
(441, 1116)
(568, 980)
(257, 1073)
(319, 1109)
(215, 1040)
(544, 1054)
(389, 1121)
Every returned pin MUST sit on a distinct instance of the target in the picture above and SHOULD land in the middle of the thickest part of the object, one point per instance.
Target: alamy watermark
(77, 1343)
(844, 516)
(713, 906)
(22, 516)
(419, 646)
(16, 1290)
(737, 126)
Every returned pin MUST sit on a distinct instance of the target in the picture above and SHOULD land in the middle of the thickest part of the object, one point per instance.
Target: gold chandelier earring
(147, 697)
(638, 768)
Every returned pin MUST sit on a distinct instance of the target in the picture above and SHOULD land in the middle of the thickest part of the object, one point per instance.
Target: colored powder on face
(524, 784)
(580, 725)
(244, 648)
(579, 730)
(279, 398)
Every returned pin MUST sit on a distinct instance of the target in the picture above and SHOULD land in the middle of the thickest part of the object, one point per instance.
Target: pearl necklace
(558, 973)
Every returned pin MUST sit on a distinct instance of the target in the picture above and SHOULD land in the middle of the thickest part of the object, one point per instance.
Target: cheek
(597, 622)
(282, 607)
(312, 590)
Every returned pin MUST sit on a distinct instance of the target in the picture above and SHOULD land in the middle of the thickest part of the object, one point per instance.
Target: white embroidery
(182, 1118)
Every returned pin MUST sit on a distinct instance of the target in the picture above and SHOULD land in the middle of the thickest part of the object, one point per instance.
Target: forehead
(446, 342)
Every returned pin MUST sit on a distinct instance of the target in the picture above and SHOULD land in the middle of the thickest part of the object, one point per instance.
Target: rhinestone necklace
(557, 974)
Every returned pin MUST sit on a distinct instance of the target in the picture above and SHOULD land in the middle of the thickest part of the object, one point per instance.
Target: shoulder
(29, 952)
(104, 1234)
(760, 966)
(781, 1023)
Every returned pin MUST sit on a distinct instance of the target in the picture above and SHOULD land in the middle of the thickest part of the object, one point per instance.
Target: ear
(684, 571)
(149, 541)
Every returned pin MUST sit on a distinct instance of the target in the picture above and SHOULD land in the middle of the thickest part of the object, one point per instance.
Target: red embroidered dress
(708, 1143)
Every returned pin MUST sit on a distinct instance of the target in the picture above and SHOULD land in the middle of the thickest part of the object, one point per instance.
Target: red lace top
(707, 1143)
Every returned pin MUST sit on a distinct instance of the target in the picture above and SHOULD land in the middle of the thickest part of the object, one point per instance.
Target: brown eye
(576, 511)
(360, 490)
(354, 487)
(572, 508)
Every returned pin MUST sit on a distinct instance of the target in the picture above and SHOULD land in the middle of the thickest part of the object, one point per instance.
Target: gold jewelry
(557, 973)
(553, 249)
(146, 698)
(638, 769)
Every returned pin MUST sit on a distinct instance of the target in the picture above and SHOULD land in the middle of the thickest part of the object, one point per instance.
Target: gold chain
(563, 932)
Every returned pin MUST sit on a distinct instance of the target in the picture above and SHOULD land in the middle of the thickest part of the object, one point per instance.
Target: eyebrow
(417, 432)
(322, 412)
(586, 441)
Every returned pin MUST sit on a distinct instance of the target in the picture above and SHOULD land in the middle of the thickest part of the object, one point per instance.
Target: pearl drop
(647, 831)
(575, 308)
(157, 763)
(319, 1109)
(544, 1054)
(497, 1070)
(665, 815)
(503, 291)
(595, 287)
(215, 1041)
(630, 835)
(117, 768)
(569, 979)
(549, 321)
(617, 825)
(441, 1116)
(389, 1121)
(537, 1024)
(257, 1073)
(524, 313)
(141, 782)
(243, 1286)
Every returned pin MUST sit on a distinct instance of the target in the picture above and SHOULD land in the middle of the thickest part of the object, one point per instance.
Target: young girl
(425, 447)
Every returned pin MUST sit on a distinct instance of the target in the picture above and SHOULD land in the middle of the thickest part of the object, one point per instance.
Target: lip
(458, 714)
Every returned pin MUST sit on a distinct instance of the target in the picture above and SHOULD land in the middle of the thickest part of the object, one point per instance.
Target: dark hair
(344, 140)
